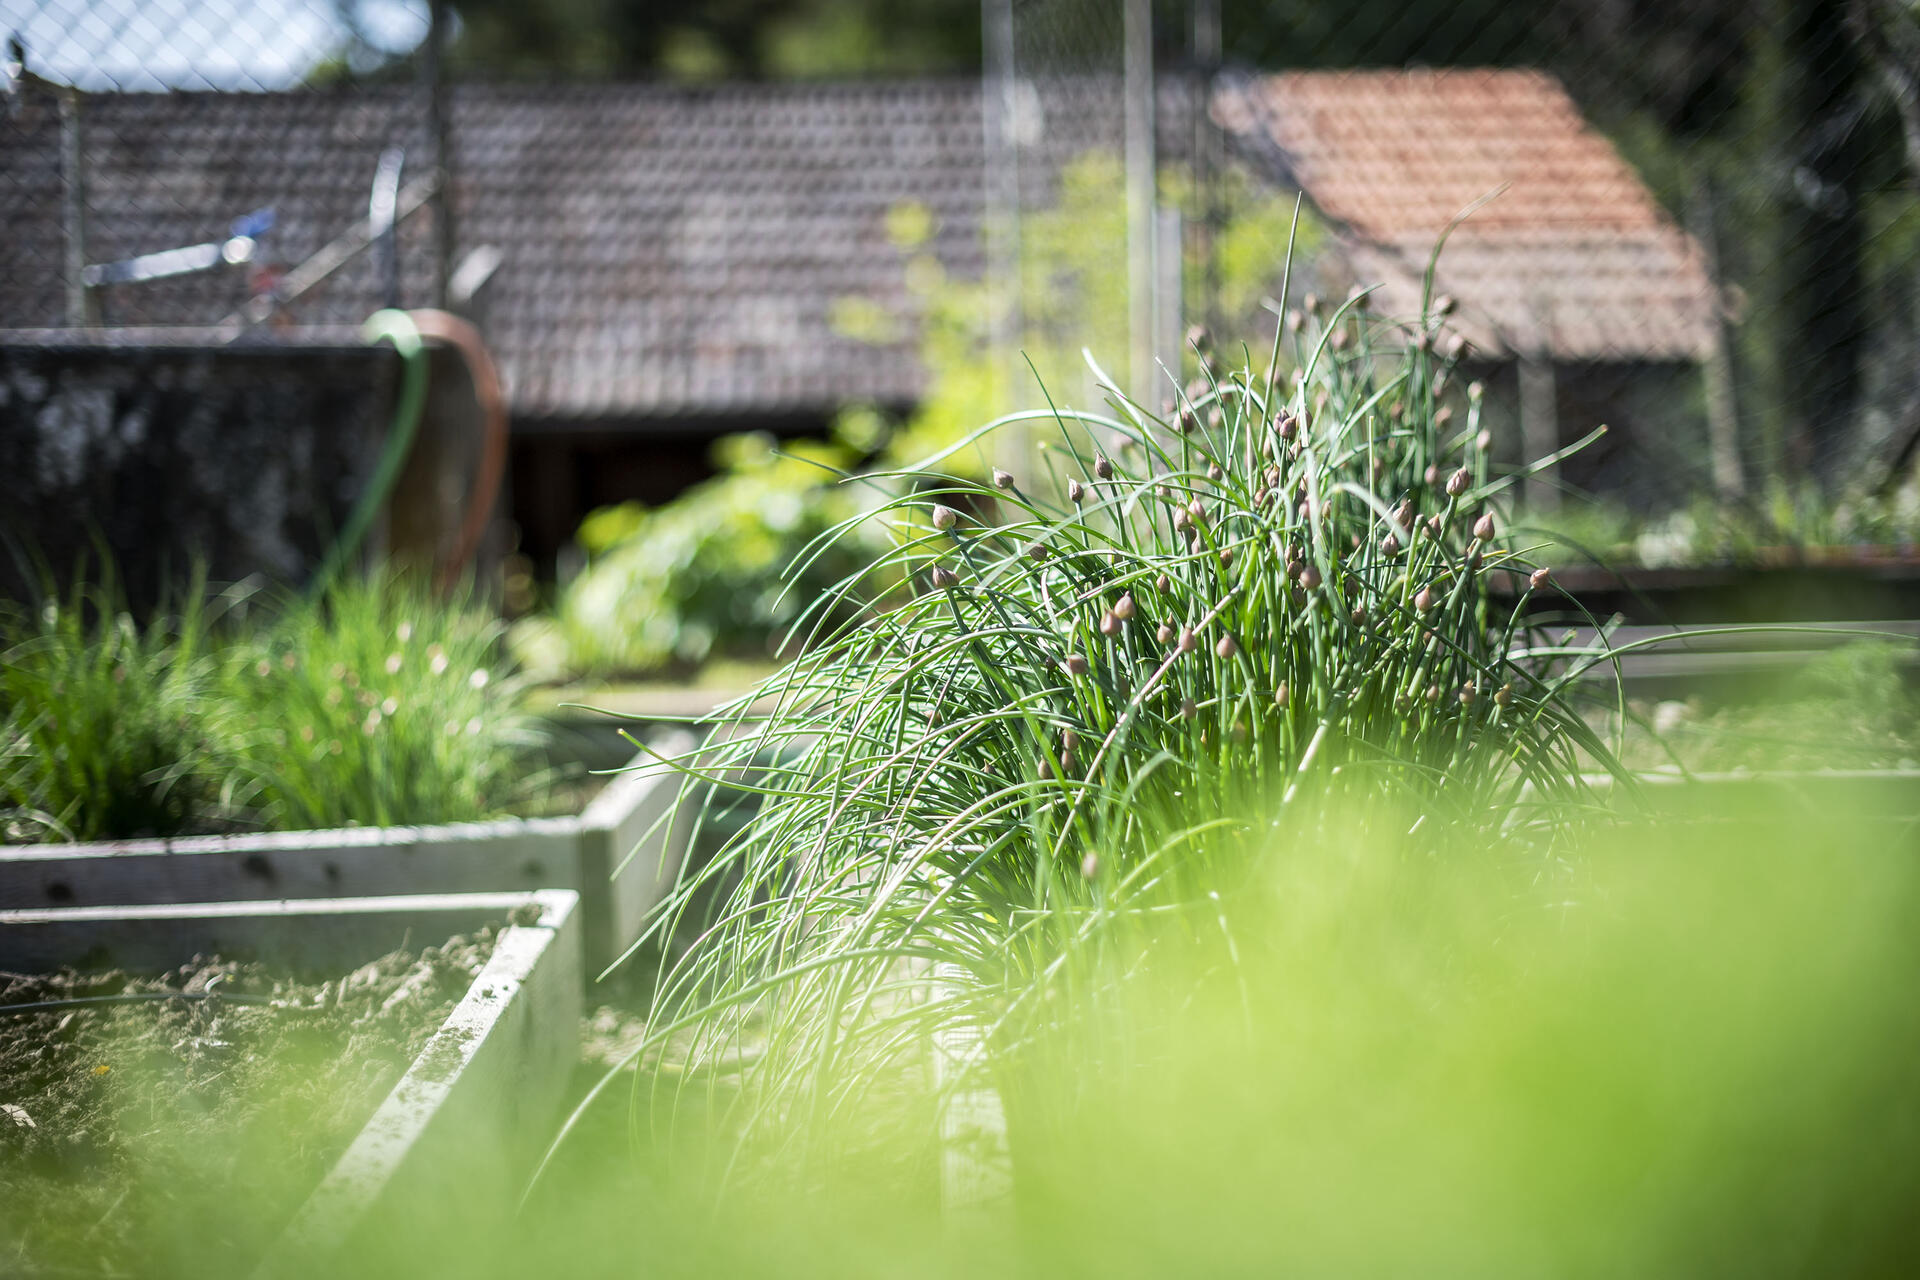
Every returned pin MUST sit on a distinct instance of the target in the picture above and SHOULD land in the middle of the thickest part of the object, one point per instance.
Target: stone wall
(244, 457)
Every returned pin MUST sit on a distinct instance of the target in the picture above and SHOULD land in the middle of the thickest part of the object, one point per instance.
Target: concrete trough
(619, 854)
(444, 1157)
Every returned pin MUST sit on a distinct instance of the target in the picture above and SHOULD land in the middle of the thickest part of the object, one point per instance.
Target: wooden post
(1716, 362)
(439, 150)
(1137, 29)
(1539, 428)
(80, 311)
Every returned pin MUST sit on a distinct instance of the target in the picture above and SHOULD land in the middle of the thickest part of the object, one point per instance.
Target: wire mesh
(1741, 306)
(151, 156)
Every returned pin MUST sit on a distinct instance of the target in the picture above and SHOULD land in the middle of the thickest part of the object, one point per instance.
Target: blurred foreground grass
(1684, 1050)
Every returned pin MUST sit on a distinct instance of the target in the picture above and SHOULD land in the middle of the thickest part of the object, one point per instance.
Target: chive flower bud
(1181, 518)
(1226, 648)
(1444, 305)
(1069, 739)
(1295, 321)
(1198, 510)
(1433, 475)
(1390, 545)
(1075, 491)
(1286, 425)
(1038, 551)
(1226, 556)
(1187, 641)
(1423, 599)
(1066, 763)
(1457, 482)
(1359, 615)
(1541, 577)
(1504, 694)
(1445, 415)
(1280, 695)
(1109, 625)
(1103, 467)
(1189, 708)
(1186, 420)
(1310, 577)
(1214, 472)
(1123, 607)
(1090, 865)
(944, 517)
(944, 577)
(1045, 771)
(1483, 527)
(1163, 633)
(1163, 584)
(1434, 526)
(1076, 665)
(1002, 479)
(1433, 694)
(1468, 693)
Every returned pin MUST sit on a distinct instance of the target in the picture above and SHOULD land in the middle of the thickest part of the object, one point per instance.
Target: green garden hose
(397, 327)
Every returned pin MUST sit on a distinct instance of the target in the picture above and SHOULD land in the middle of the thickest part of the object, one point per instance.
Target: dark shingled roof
(666, 250)
(673, 251)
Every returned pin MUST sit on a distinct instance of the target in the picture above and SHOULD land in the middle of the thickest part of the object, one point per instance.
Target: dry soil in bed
(176, 1137)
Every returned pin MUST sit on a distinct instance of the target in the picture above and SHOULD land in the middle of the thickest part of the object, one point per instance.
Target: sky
(200, 44)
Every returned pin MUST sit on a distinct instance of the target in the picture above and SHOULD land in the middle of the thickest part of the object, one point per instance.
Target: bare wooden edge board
(448, 1145)
(584, 852)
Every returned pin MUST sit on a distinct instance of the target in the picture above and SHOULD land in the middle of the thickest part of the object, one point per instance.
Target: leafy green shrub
(98, 729)
(378, 705)
(701, 577)
(1276, 593)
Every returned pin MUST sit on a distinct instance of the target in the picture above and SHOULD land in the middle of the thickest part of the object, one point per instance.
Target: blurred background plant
(1784, 525)
(379, 703)
(704, 576)
(99, 731)
(1853, 707)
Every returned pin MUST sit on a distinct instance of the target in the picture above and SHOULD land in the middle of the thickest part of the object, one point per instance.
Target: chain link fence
(1703, 230)
(149, 160)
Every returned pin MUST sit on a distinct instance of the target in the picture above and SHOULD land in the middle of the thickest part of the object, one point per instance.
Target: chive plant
(379, 703)
(97, 737)
(1276, 590)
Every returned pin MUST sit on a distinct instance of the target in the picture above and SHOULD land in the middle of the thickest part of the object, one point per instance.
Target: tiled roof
(672, 251)
(665, 250)
(1573, 256)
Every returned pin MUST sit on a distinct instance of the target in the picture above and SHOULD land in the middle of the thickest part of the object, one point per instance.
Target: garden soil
(177, 1137)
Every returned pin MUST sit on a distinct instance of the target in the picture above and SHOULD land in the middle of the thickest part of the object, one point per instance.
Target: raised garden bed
(584, 853)
(1845, 584)
(438, 1161)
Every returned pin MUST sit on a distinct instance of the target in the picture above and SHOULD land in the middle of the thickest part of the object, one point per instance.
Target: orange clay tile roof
(1573, 257)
